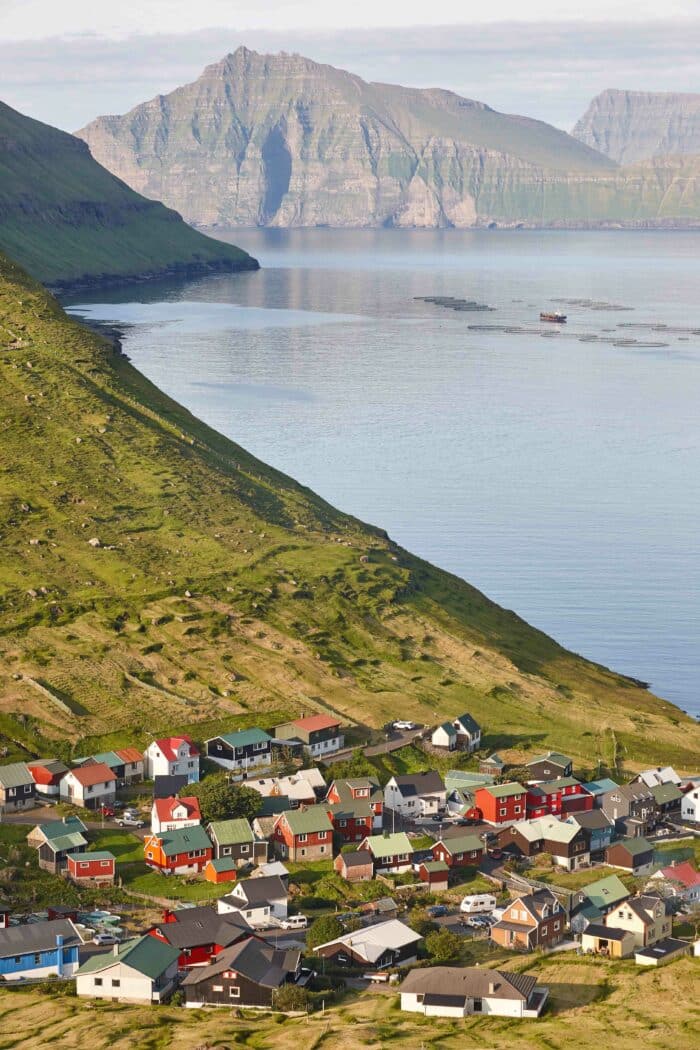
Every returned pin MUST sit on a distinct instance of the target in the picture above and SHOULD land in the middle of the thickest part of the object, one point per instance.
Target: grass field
(592, 1004)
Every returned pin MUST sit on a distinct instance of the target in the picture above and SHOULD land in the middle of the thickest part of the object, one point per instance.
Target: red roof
(42, 774)
(315, 722)
(166, 806)
(684, 873)
(129, 754)
(170, 745)
(98, 773)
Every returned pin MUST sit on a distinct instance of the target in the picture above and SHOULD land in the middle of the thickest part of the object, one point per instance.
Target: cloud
(547, 70)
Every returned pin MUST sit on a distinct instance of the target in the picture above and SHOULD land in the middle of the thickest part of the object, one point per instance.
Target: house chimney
(115, 950)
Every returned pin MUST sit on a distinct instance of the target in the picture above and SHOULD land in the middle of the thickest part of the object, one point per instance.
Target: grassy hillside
(222, 593)
(67, 219)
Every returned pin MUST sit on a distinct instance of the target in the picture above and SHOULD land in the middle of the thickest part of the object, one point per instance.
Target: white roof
(372, 942)
(654, 777)
(547, 828)
(298, 786)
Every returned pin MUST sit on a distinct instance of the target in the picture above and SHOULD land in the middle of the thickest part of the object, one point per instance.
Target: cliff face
(633, 126)
(282, 141)
(68, 220)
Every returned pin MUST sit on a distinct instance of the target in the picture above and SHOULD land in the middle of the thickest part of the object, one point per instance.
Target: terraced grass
(223, 594)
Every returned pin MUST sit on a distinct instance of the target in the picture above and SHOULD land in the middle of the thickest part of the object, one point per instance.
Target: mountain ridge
(636, 126)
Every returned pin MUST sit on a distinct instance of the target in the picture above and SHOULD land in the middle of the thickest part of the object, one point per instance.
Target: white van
(477, 902)
(294, 922)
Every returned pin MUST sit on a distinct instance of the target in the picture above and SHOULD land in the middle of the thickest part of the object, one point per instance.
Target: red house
(459, 851)
(501, 803)
(222, 870)
(304, 834)
(356, 807)
(558, 798)
(97, 867)
(199, 933)
(184, 851)
(435, 873)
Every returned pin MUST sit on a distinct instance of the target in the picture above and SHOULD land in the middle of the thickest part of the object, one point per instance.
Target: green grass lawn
(140, 879)
(123, 844)
(575, 880)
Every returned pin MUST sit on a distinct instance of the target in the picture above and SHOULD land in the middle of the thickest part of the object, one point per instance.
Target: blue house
(39, 950)
(599, 827)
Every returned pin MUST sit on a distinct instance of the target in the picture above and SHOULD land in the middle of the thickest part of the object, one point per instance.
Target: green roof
(224, 864)
(246, 737)
(308, 821)
(272, 805)
(98, 854)
(634, 846)
(231, 832)
(504, 790)
(605, 892)
(110, 758)
(71, 840)
(664, 793)
(434, 865)
(556, 785)
(15, 775)
(146, 954)
(183, 840)
(494, 760)
(462, 843)
(389, 845)
(459, 779)
(54, 829)
(551, 756)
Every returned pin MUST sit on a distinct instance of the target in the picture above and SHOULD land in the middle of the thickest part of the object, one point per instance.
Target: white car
(129, 821)
(404, 725)
(294, 922)
(105, 938)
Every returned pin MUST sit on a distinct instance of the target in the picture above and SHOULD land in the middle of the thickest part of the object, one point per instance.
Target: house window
(149, 855)
(477, 1006)
(302, 838)
(217, 988)
(27, 789)
(322, 849)
(104, 863)
(303, 852)
(37, 958)
(234, 991)
(323, 834)
(342, 823)
(84, 864)
(116, 983)
(502, 812)
(556, 925)
(516, 809)
(225, 851)
(98, 982)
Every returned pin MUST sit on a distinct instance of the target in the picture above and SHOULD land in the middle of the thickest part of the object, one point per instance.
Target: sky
(66, 63)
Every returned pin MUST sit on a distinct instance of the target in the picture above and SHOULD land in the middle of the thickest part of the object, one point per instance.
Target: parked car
(437, 911)
(294, 922)
(107, 811)
(128, 821)
(404, 725)
(495, 853)
(105, 938)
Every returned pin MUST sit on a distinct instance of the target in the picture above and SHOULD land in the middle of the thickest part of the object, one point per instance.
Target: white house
(655, 777)
(304, 787)
(444, 736)
(461, 734)
(168, 814)
(92, 786)
(690, 805)
(172, 756)
(142, 970)
(260, 901)
(454, 991)
(680, 879)
(416, 794)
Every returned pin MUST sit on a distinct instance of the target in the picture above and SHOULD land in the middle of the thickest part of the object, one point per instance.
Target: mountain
(279, 140)
(68, 221)
(156, 577)
(633, 126)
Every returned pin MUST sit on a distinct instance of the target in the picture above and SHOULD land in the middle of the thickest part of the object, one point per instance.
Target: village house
(167, 814)
(390, 853)
(416, 795)
(593, 902)
(126, 763)
(558, 798)
(383, 908)
(533, 921)
(567, 844)
(599, 826)
(599, 939)
(384, 945)
(355, 866)
(303, 788)
(598, 788)
(451, 991)
(668, 800)
(234, 840)
(91, 786)
(39, 949)
(258, 900)
(681, 880)
(435, 873)
(56, 840)
(96, 868)
(303, 834)
(631, 807)
(655, 777)
(319, 735)
(360, 790)
(184, 851)
(461, 734)
(198, 933)
(17, 787)
(494, 765)
(633, 855)
(690, 806)
(243, 750)
(247, 974)
(647, 917)
(48, 774)
(501, 804)
(172, 756)
(459, 850)
(220, 870)
(140, 970)
(552, 766)
(662, 952)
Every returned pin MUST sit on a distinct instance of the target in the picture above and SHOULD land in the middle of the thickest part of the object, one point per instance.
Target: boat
(557, 318)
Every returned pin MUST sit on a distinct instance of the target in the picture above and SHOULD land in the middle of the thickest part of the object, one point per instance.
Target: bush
(291, 997)
(443, 945)
(325, 928)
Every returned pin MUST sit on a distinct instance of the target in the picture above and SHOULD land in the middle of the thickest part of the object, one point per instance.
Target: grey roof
(448, 728)
(468, 723)
(592, 819)
(15, 775)
(371, 942)
(357, 858)
(468, 982)
(259, 962)
(260, 890)
(663, 949)
(411, 784)
(607, 933)
(165, 786)
(203, 925)
(555, 757)
(37, 937)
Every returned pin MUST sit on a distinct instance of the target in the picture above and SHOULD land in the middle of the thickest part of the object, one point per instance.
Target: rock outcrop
(633, 126)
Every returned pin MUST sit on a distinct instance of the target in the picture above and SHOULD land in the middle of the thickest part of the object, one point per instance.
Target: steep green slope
(155, 576)
(67, 219)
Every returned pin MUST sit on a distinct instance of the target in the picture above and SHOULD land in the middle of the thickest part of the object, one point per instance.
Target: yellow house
(647, 917)
(606, 940)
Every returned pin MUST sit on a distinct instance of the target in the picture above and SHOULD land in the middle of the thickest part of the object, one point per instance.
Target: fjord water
(559, 476)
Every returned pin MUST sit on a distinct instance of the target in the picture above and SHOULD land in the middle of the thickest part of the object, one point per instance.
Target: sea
(406, 377)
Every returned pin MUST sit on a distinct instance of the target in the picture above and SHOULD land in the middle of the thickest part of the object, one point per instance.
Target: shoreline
(92, 282)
